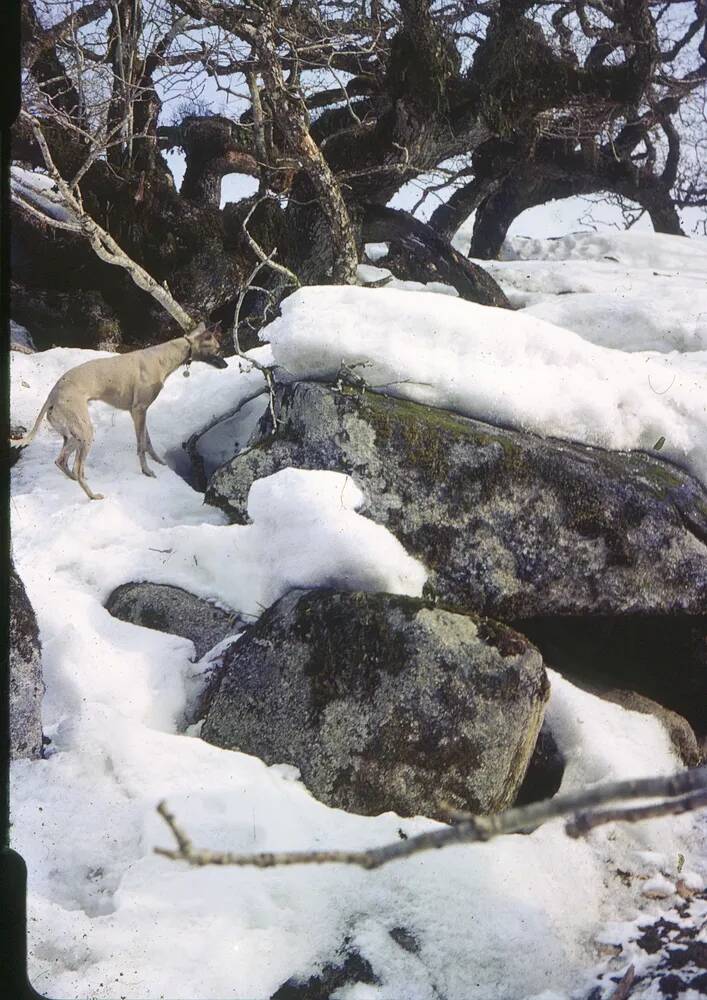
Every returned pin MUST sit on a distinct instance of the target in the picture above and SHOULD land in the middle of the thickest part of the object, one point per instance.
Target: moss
(661, 477)
(350, 637)
(501, 637)
(424, 435)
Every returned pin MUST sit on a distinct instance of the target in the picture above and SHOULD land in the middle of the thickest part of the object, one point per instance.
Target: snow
(520, 918)
(375, 251)
(494, 364)
(367, 274)
(230, 436)
(40, 190)
(654, 250)
(624, 290)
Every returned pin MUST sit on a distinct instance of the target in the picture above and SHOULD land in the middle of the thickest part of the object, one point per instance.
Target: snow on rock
(41, 191)
(376, 251)
(677, 321)
(658, 887)
(499, 366)
(221, 442)
(367, 274)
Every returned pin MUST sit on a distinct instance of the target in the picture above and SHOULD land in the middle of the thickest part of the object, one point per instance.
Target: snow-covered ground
(633, 291)
(518, 918)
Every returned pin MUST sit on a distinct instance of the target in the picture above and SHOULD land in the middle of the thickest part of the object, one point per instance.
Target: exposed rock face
(511, 524)
(20, 339)
(518, 527)
(348, 969)
(26, 684)
(384, 702)
(171, 609)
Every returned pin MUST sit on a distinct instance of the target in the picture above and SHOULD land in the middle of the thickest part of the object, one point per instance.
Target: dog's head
(206, 346)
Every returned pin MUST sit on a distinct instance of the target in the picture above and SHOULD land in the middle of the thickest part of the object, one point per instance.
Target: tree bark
(427, 256)
(214, 146)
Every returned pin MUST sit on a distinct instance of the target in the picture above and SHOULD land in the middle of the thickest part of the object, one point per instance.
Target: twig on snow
(678, 793)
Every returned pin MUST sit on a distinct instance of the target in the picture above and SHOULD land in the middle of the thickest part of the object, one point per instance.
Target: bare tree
(636, 151)
(73, 218)
(332, 107)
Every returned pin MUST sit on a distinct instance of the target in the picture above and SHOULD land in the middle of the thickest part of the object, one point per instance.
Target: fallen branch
(623, 987)
(264, 260)
(678, 793)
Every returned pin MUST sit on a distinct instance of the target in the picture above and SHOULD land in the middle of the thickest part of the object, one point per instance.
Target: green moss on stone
(424, 435)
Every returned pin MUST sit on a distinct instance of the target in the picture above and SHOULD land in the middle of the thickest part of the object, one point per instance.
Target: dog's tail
(23, 442)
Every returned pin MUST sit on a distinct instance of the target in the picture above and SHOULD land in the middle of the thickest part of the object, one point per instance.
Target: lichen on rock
(384, 702)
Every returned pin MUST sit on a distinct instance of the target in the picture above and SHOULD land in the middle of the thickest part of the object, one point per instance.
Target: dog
(131, 382)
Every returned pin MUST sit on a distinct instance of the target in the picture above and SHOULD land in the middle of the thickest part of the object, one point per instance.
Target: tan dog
(127, 381)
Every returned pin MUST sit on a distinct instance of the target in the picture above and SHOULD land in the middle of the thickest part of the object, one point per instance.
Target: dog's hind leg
(80, 471)
(138, 415)
(62, 461)
(69, 417)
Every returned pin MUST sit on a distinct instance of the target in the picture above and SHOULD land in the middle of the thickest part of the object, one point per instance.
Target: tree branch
(680, 792)
(101, 241)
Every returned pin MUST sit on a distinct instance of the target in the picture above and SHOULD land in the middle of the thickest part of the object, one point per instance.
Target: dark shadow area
(662, 657)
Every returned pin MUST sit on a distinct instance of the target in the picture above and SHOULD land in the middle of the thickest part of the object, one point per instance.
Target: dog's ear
(215, 333)
(198, 330)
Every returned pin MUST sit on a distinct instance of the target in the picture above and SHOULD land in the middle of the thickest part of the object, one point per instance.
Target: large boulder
(515, 526)
(170, 609)
(26, 684)
(511, 524)
(384, 702)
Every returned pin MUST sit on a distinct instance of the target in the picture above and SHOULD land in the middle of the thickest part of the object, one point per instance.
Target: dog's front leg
(138, 415)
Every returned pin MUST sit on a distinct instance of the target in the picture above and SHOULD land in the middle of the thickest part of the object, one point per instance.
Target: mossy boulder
(170, 609)
(384, 702)
(26, 684)
(510, 524)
